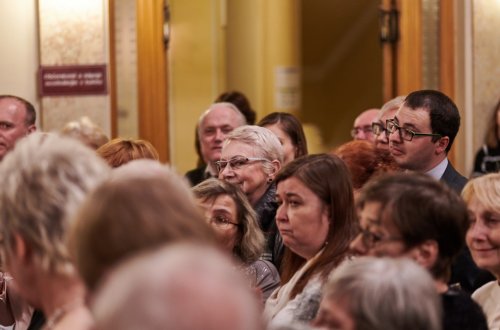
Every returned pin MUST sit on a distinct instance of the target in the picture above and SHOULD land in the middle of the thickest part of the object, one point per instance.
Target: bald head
(17, 119)
(362, 129)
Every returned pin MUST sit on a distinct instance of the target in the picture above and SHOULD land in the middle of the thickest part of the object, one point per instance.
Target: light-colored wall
(477, 74)
(486, 68)
(194, 71)
(19, 60)
(74, 33)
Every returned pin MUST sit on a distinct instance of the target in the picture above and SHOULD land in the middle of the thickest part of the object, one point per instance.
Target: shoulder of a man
(453, 178)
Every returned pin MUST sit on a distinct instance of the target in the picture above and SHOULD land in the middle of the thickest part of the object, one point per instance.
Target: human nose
(477, 231)
(281, 213)
(395, 135)
(219, 135)
(383, 137)
(225, 171)
(357, 246)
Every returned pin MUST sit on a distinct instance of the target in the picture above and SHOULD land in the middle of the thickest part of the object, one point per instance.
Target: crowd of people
(380, 233)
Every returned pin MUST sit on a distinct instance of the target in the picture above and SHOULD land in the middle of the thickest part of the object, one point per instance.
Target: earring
(269, 180)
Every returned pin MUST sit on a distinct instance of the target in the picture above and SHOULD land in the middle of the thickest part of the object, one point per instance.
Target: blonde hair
(486, 189)
(86, 131)
(44, 180)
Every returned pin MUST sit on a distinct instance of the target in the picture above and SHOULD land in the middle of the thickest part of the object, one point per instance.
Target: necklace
(60, 312)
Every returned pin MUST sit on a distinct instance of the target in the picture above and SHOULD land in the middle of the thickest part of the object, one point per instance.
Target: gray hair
(386, 293)
(44, 180)
(264, 142)
(228, 105)
(178, 287)
(392, 104)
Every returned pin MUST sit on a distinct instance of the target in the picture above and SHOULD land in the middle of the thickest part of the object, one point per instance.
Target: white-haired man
(213, 126)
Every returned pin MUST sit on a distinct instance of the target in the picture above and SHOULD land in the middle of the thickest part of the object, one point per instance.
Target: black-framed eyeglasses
(237, 162)
(378, 128)
(405, 133)
(370, 239)
(364, 129)
(222, 222)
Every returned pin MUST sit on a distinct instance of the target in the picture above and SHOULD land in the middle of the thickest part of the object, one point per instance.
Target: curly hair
(365, 161)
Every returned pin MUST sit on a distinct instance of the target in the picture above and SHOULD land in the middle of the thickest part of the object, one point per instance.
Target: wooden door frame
(152, 76)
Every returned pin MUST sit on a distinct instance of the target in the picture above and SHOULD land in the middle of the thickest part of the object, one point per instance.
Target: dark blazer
(463, 269)
(453, 179)
(197, 175)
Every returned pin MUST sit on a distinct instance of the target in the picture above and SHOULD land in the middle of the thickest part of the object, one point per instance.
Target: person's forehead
(387, 114)
(12, 108)
(366, 118)
(220, 115)
(237, 148)
(416, 117)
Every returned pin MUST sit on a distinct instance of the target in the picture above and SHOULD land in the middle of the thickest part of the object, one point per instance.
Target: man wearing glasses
(362, 129)
(213, 126)
(421, 135)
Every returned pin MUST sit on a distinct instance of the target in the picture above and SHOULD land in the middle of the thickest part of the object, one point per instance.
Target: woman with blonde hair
(482, 196)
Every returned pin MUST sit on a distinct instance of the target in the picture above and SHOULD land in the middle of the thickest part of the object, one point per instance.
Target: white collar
(438, 170)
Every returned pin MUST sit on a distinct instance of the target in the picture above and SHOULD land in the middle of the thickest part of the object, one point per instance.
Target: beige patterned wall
(486, 64)
(73, 33)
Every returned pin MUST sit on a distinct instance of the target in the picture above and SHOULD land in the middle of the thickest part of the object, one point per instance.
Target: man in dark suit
(420, 136)
(213, 126)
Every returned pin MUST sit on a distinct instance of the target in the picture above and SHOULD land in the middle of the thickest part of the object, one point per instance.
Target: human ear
(442, 144)
(426, 253)
(276, 166)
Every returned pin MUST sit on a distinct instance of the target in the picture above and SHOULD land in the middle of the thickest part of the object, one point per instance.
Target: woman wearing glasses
(235, 225)
(482, 196)
(415, 216)
(250, 158)
(315, 219)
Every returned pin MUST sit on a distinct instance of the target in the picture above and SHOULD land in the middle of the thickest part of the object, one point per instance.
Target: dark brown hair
(328, 177)
(291, 126)
(491, 138)
(443, 113)
(241, 102)
(422, 209)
